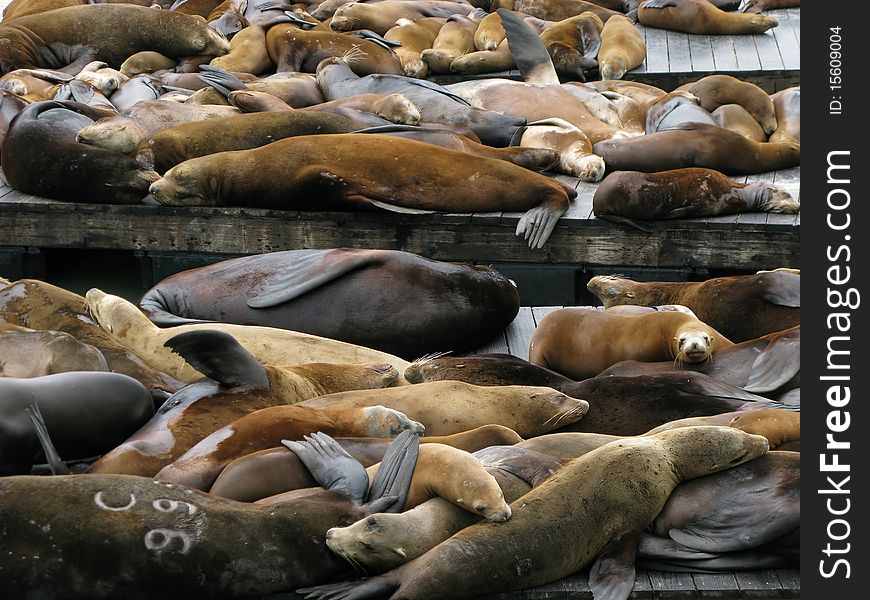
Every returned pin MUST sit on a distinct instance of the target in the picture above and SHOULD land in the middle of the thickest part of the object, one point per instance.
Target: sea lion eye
(480, 508)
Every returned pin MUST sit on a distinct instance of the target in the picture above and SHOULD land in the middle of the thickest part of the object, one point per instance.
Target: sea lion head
(214, 43)
(115, 315)
(611, 289)
(370, 542)
(398, 108)
(762, 108)
(181, 186)
(701, 450)
(483, 496)
(693, 342)
(346, 18)
(777, 200)
(113, 134)
(761, 23)
(563, 409)
(386, 422)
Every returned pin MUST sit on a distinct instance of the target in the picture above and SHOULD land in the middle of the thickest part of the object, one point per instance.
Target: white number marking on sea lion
(159, 540)
(166, 505)
(98, 500)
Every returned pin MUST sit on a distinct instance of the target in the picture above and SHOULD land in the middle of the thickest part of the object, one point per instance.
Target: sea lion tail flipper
(309, 273)
(222, 81)
(219, 356)
(52, 457)
(781, 288)
(397, 468)
(330, 465)
(775, 365)
(528, 51)
(612, 575)
(375, 587)
(633, 223)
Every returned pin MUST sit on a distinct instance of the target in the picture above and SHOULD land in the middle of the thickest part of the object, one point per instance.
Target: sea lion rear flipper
(529, 465)
(782, 288)
(368, 34)
(655, 547)
(330, 465)
(397, 468)
(528, 51)
(374, 587)
(776, 364)
(51, 456)
(308, 273)
(658, 4)
(612, 575)
(699, 384)
(219, 356)
(222, 81)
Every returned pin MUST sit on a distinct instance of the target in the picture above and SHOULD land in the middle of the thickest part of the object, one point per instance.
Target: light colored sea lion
(380, 17)
(146, 62)
(414, 37)
(574, 43)
(697, 145)
(105, 80)
(701, 17)
(572, 145)
(685, 193)
(714, 91)
(74, 36)
(28, 353)
(787, 104)
(484, 61)
(248, 52)
(778, 426)
(742, 307)
(126, 324)
(490, 32)
(454, 39)
(568, 340)
(589, 527)
(349, 170)
(737, 119)
(269, 472)
(600, 105)
(461, 406)
(115, 405)
(622, 48)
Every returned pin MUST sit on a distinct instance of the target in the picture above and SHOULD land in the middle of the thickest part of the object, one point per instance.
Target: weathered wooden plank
(701, 49)
(790, 579)
(679, 57)
(519, 333)
(724, 53)
(768, 52)
(642, 69)
(550, 591)
(643, 588)
(672, 586)
(656, 50)
(759, 584)
(747, 53)
(715, 585)
(789, 49)
(539, 312)
(577, 586)
(498, 345)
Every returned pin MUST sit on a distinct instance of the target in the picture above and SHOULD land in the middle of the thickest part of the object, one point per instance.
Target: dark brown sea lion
(787, 104)
(589, 524)
(88, 413)
(356, 171)
(380, 17)
(27, 353)
(384, 299)
(74, 36)
(622, 48)
(172, 146)
(484, 369)
(573, 44)
(685, 193)
(714, 91)
(238, 385)
(10, 105)
(742, 307)
(41, 157)
(697, 145)
(700, 16)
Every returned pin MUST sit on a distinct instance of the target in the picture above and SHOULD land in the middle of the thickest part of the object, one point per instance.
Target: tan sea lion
(380, 17)
(126, 324)
(622, 48)
(777, 425)
(414, 37)
(490, 32)
(701, 17)
(248, 52)
(714, 91)
(29, 353)
(145, 62)
(588, 521)
(742, 307)
(484, 61)
(574, 43)
(572, 145)
(454, 39)
(787, 104)
(569, 340)
(737, 119)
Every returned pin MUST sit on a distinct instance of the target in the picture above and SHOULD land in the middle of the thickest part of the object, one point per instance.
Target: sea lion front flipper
(658, 4)
(308, 273)
(396, 470)
(528, 51)
(776, 364)
(51, 456)
(612, 575)
(782, 288)
(374, 587)
(330, 465)
(219, 356)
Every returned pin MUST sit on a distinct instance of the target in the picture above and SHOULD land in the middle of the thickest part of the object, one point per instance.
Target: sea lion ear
(612, 574)
(218, 356)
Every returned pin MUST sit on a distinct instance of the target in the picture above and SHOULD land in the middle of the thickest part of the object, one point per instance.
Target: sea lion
(697, 145)
(41, 157)
(743, 307)
(28, 353)
(701, 17)
(714, 91)
(757, 6)
(393, 108)
(483, 369)
(780, 427)
(39, 305)
(528, 410)
(392, 301)
(622, 48)
(568, 340)
(268, 472)
(787, 104)
(737, 119)
(568, 445)
(484, 61)
(570, 143)
(573, 44)
(550, 10)
(102, 78)
(248, 52)
(454, 39)
(146, 62)
(589, 526)
(355, 171)
(69, 38)
(675, 109)
(380, 17)
(126, 324)
(124, 132)
(174, 145)
(490, 32)
(236, 385)
(685, 193)
(414, 37)
(199, 466)
(115, 405)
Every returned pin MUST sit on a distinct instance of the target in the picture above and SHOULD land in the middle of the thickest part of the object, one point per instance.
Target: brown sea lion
(701, 17)
(113, 405)
(484, 369)
(714, 91)
(269, 472)
(737, 119)
(742, 307)
(568, 445)
(757, 6)
(490, 32)
(528, 410)
(685, 193)
(589, 526)
(395, 108)
(414, 37)
(574, 43)
(569, 340)
(74, 36)
(146, 62)
(28, 353)
(347, 171)
(622, 48)
(570, 143)
(697, 145)
(787, 104)
(236, 384)
(454, 39)
(551, 10)
(380, 17)
(780, 427)
(248, 52)
(484, 61)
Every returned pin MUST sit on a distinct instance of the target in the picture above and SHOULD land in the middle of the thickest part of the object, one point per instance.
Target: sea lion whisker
(429, 357)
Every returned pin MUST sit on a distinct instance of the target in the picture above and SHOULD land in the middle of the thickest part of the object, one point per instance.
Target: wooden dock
(770, 60)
